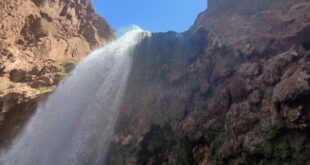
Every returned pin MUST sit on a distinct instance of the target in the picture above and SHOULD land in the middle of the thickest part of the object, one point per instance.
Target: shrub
(62, 69)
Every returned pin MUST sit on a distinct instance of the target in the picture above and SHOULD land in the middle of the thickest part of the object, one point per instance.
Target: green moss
(62, 69)
(290, 145)
(281, 150)
(42, 88)
(272, 131)
(265, 148)
(45, 88)
(227, 128)
(286, 147)
(269, 91)
(296, 144)
(216, 147)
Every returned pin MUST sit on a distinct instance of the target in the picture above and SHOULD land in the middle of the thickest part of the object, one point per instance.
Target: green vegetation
(269, 91)
(289, 145)
(272, 131)
(227, 128)
(217, 142)
(282, 147)
(62, 69)
(45, 88)
(41, 89)
(285, 148)
(281, 150)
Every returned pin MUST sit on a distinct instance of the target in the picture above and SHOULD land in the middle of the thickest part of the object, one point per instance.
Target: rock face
(40, 41)
(234, 89)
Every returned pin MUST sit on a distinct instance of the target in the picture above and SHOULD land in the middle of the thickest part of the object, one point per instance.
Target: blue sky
(151, 15)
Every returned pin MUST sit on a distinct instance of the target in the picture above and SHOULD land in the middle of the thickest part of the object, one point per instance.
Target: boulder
(292, 88)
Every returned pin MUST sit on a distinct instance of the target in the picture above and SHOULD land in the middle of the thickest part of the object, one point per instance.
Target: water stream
(74, 126)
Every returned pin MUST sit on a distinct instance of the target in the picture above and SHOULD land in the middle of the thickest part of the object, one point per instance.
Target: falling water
(74, 126)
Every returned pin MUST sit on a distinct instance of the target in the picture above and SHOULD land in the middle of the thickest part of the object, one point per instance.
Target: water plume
(74, 126)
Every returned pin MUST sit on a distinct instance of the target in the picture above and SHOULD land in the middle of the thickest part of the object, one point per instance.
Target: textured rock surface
(234, 89)
(40, 40)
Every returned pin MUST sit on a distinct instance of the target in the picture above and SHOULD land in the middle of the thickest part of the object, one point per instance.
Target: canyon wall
(233, 89)
(40, 41)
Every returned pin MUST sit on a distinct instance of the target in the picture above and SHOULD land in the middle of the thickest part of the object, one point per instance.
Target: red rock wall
(234, 89)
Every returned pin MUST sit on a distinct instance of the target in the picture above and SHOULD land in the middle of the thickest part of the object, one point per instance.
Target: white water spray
(74, 126)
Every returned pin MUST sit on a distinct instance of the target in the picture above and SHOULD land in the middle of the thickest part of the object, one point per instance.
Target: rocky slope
(234, 89)
(40, 40)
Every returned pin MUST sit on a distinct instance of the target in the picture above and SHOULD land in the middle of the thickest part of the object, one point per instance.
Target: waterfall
(74, 126)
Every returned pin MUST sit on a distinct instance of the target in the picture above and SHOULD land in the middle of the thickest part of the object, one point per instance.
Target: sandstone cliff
(40, 40)
(234, 89)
